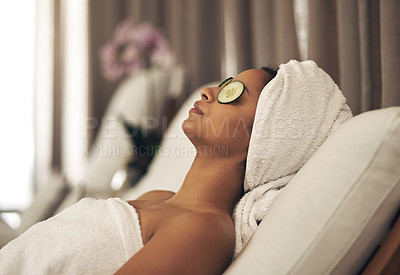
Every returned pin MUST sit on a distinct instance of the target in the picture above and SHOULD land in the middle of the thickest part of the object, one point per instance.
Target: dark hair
(270, 70)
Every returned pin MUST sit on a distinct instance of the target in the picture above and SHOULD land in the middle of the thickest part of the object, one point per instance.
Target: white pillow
(113, 147)
(336, 210)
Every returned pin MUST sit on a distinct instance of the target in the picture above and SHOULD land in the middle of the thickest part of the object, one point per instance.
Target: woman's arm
(193, 244)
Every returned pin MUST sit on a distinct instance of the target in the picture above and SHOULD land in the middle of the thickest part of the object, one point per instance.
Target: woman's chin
(189, 127)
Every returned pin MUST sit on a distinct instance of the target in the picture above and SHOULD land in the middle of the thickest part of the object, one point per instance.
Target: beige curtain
(61, 89)
(48, 94)
(273, 33)
(356, 41)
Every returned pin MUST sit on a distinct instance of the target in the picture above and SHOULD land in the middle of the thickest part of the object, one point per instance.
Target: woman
(192, 232)
(199, 215)
(293, 114)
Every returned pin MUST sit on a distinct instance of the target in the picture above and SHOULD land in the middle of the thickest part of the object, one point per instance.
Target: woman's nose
(208, 94)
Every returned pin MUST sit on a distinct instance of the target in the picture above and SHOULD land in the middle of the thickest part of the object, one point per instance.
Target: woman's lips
(196, 109)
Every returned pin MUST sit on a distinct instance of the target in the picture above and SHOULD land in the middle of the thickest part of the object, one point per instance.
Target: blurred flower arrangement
(134, 48)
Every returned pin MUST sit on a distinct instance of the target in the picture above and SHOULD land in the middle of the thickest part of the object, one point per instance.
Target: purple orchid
(132, 49)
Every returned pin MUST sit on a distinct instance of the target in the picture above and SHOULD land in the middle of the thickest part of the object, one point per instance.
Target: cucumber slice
(230, 92)
(225, 81)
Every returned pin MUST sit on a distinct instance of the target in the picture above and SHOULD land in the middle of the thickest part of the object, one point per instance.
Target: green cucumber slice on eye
(225, 81)
(230, 92)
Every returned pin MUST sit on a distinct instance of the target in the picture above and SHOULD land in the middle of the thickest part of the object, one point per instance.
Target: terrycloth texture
(296, 112)
(90, 237)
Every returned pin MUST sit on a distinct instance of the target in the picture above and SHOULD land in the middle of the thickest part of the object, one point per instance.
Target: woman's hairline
(272, 71)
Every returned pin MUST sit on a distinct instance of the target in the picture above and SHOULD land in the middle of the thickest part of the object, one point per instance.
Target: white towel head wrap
(296, 112)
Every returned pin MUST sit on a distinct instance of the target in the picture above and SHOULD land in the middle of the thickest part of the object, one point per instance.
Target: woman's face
(228, 126)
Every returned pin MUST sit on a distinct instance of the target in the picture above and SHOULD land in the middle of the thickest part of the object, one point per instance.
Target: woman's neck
(212, 183)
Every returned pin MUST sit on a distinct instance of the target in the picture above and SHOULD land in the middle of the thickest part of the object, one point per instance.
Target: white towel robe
(90, 237)
(297, 110)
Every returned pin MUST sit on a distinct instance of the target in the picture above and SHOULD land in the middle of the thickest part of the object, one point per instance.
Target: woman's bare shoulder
(156, 195)
(203, 228)
(193, 243)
